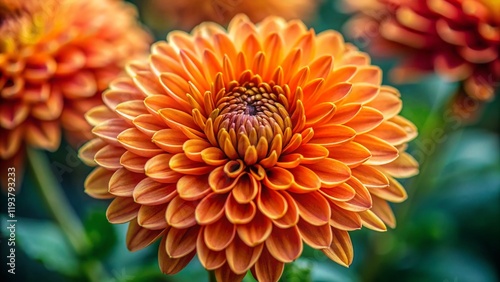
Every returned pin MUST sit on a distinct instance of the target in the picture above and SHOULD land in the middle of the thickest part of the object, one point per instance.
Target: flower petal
(391, 133)
(313, 207)
(394, 192)
(149, 125)
(193, 147)
(138, 237)
(49, 110)
(278, 178)
(362, 93)
(343, 219)
(329, 135)
(89, 149)
(113, 97)
(342, 193)
(318, 237)
(256, 231)
(192, 187)
(169, 265)
(245, 189)
(372, 221)
(182, 121)
(151, 192)
(109, 157)
(402, 167)
(312, 153)
(214, 156)
(305, 180)
(235, 168)
(239, 213)
(285, 244)
(96, 184)
(319, 113)
(137, 142)
(291, 216)
(129, 110)
(241, 257)
(271, 203)
(382, 152)
(408, 126)
(182, 164)
(180, 213)
(340, 251)
(370, 176)
(156, 103)
(383, 211)
(331, 172)
(170, 140)
(219, 234)
(209, 259)
(152, 217)
(210, 209)
(158, 169)
(345, 113)
(122, 210)
(368, 74)
(351, 154)
(220, 182)
(81, 84)
(133, 162)
(267, 268)
(387, 102)
(361, 202)
(224, 273)
(333, 92)
(366, 120)
(148, 83)
(123, 182)
(181, 242)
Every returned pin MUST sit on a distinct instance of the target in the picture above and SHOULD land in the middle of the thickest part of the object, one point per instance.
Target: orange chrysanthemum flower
(56, 57)
(240, 145)
(189, 13)
(459, 39)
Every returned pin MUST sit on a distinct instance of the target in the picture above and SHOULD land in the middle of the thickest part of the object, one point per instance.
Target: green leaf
(44, 241)
(298, 271)
(121, 257)
(101, 233)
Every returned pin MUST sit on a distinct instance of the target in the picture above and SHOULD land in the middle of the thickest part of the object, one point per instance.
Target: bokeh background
(448, 229)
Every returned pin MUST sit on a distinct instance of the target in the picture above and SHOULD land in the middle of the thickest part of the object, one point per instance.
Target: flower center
(252, 114)
(250, 103)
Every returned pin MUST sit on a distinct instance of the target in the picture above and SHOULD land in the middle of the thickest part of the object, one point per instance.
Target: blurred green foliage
(448, 229)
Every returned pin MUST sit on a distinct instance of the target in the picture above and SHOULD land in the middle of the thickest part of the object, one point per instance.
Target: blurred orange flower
(187, 14)
(239, 145)
(56, 57)
(459, 39)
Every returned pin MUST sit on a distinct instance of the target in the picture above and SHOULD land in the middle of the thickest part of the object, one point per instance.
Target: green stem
(57, 204)
(211, 276)
(62, 212)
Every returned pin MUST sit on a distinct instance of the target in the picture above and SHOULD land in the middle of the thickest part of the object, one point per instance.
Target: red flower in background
(458, 39)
